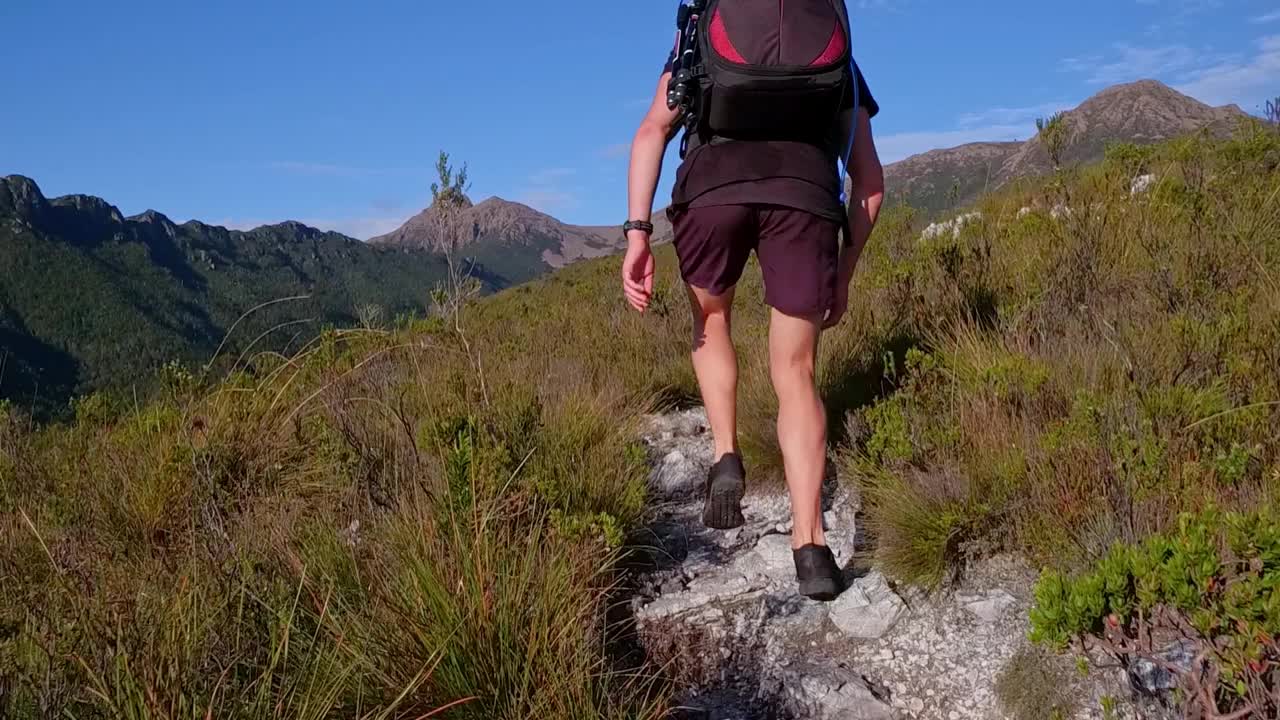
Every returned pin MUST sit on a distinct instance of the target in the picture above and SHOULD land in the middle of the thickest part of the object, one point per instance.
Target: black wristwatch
(630, 225)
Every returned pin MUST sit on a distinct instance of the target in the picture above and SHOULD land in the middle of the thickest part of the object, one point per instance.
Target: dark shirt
(788, 173)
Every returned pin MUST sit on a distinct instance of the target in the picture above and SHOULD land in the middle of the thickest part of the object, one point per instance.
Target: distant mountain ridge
(509, 238)
(1145, 111)
(91, 299)
(519, 242)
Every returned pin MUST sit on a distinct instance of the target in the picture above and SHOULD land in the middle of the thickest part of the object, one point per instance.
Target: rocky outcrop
(720, 611)
(950, 227)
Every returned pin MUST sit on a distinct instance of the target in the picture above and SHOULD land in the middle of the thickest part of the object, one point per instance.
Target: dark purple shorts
(798, 252)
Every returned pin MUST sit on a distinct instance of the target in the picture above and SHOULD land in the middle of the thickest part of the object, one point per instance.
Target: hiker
(773, 108)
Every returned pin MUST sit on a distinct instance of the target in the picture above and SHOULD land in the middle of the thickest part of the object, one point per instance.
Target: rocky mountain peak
(1144, 111)
(21, 196)
(503, 232)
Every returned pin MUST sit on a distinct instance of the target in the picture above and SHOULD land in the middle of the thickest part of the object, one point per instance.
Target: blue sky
(332, 113)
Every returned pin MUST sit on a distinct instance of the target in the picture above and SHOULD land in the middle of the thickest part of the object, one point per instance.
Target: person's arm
(867, 194)
(648, 147)
(659, 126)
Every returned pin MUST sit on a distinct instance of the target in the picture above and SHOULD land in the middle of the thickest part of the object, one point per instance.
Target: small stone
(672, 586)
(772, 556)
(838, 698)
(704, 590)
(676, 474)
(915, 705)
(868, 609)
(990, 607)
(803, 619)
(1152, 679)
(843, 542)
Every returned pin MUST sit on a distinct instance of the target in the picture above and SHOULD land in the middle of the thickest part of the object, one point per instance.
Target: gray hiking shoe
(726, 484)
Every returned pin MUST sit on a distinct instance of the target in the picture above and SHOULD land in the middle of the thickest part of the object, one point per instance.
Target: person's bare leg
(802, 422)
(716, 365)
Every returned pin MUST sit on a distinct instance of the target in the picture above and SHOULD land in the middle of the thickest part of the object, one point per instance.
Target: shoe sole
(820, 589)
(723, 508)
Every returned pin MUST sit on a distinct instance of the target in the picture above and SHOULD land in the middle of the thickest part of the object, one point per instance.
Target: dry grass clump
(395, 522)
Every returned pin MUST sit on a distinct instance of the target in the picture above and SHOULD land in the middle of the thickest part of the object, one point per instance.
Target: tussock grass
(390, 523)
(1082, 379)
(1030, 687)
(400, 520)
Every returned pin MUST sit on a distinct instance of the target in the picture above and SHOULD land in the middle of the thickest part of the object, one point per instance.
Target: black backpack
(765, 70)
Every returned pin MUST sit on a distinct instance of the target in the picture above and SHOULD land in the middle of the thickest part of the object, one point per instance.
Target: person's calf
(801, 422)
(715, 363)
(804, 460)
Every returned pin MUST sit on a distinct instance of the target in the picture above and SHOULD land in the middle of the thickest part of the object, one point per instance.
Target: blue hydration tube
(846, 158)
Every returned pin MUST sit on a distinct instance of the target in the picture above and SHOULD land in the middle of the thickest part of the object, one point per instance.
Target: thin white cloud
(614, 151)
(325, 169)
(1172, 15)
(1129, 62)
(548, 200)
(1243, 78)
(1266, 18)
(550, 191)
(1005, 117)
(1244, 81)
(551, 176)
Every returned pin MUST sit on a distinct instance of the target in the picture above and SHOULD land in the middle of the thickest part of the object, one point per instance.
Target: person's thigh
(713, 245)
(798, 252)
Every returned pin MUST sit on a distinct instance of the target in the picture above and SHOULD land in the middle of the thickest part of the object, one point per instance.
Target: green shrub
(1077, 380)
(1211, 582)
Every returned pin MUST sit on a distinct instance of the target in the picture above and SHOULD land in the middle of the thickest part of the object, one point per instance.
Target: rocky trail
(721, 611)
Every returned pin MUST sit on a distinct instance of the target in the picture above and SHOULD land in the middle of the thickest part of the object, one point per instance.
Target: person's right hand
(638, 270)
